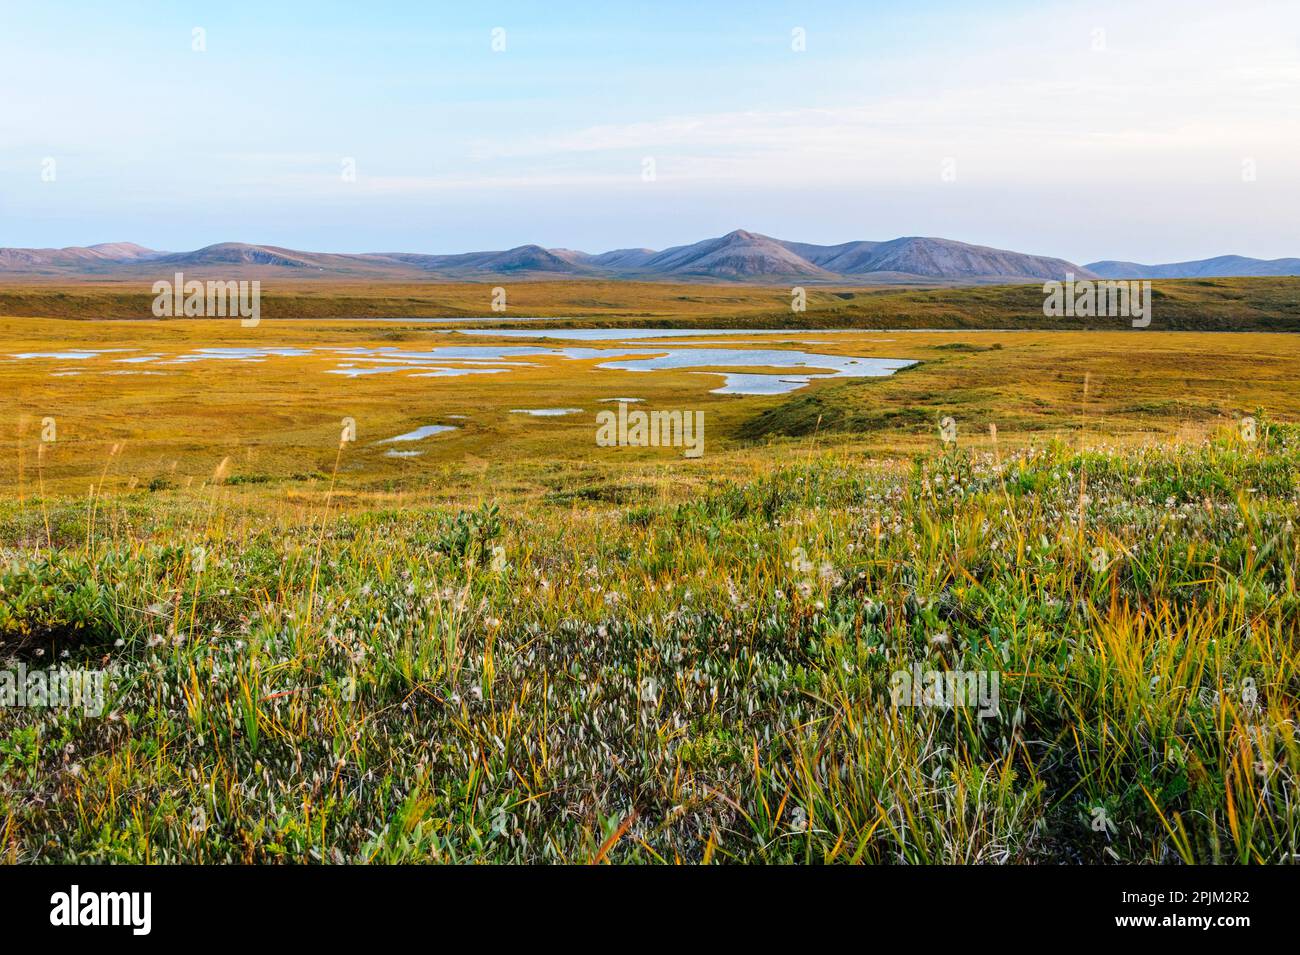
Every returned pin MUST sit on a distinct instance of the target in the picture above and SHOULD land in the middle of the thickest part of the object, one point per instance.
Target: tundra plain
(520, 646)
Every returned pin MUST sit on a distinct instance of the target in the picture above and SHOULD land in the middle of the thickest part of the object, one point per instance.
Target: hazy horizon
(1155, 133)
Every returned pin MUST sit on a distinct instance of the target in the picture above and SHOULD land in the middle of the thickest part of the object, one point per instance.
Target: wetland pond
(765, 361)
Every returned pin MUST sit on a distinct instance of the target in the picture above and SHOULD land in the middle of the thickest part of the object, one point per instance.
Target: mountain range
(738, 256)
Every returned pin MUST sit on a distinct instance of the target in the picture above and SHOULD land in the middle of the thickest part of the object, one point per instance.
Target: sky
(1142, 130)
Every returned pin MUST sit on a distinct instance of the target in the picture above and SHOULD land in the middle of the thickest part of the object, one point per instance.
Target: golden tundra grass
(281, 418)
(521, 647)
(1226, 304)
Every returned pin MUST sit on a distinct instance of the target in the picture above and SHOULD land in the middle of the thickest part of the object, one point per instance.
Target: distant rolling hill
(1223, 266)
(525, 259)
(738, 256)
(944, 259)
(90, 259)
(237, 253)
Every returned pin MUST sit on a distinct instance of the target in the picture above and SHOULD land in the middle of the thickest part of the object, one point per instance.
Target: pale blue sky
(1126, 143)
